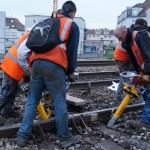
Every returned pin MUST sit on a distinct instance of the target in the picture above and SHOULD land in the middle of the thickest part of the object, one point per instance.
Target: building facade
(2, 32)
(13, 30)
(129, 16)
(96, 39)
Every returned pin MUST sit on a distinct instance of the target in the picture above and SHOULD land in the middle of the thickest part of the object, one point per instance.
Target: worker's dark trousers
(145, 116)
(8, 91)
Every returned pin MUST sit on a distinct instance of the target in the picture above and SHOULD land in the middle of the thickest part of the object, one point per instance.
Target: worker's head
(140, 23)
(121, 32)
(69, 8)
(59, 11)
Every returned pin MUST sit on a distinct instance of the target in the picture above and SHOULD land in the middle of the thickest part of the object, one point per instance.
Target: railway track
(81, 118)
(92, 125)
(94, 131)
(97, 74)
(91, 84)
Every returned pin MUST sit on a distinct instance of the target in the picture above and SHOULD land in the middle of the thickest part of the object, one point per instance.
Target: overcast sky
(96, 13)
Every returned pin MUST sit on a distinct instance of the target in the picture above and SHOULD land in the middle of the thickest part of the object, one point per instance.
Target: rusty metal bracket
(39, 131)
(77, 124)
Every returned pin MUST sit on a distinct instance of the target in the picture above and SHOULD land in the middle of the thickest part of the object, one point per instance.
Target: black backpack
(44, 36)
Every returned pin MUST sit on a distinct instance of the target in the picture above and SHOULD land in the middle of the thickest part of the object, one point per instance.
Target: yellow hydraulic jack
(43, 114)
(131, 91)
(40, 108)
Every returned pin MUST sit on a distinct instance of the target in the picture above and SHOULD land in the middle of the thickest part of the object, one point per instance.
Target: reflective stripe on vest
(63, 46)
(17, 45)
(58, 54)
(10, 64)
(64, 31)
(136, 51)
(12, 57)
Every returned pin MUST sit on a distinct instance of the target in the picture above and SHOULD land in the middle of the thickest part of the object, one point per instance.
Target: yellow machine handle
(43, 114)
(122, 106)
(119, 110)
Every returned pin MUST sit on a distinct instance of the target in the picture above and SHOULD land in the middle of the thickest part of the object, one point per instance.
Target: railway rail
(98, 74)
(91, 84)
(81, 118)
(92, 127)
(95, 63)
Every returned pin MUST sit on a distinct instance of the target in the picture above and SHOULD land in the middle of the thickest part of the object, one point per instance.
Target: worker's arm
(23, 52)
(72, 48)
(143, 42)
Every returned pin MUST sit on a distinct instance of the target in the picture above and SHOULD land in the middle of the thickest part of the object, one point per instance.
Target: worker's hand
(27, 72)
(134, 80)
(146, 78)
(71, 77)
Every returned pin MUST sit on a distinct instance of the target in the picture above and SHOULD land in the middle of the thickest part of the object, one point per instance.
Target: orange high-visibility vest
(137, 52)
(58, 54)
(10, 63)
(120, 53)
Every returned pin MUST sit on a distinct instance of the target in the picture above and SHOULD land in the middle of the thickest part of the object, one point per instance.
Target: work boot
(137, 124)
(9, 113)
(22, 142)
(70, 141)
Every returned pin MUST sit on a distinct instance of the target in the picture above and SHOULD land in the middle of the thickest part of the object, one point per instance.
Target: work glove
(146, 78)
(73, 77)
(134, 80)
(140, 80)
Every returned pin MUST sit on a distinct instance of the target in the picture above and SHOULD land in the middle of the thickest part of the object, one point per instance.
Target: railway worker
(137, 42)
(49, 70)
(123, 63)
(14, 70)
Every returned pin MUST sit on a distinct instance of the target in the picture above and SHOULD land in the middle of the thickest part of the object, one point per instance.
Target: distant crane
(55, 4)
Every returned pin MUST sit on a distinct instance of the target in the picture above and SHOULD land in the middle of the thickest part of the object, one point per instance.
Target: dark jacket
(127, 44)
(72, 47)
(143, 42)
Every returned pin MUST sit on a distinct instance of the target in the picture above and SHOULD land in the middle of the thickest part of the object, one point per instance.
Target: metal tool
(131, 90)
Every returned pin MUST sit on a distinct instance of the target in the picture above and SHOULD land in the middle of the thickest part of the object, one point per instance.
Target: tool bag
(44, 36)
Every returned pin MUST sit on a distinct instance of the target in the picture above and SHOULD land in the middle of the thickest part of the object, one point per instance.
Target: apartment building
(2, 32)
(13, 30)
(130, 14)
(96, 39)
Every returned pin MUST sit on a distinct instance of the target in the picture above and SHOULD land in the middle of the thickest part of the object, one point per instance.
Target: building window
(105, 36)
(7, 34)
(6, 40)
(13, 34)
(134, 12)
(106, 31)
